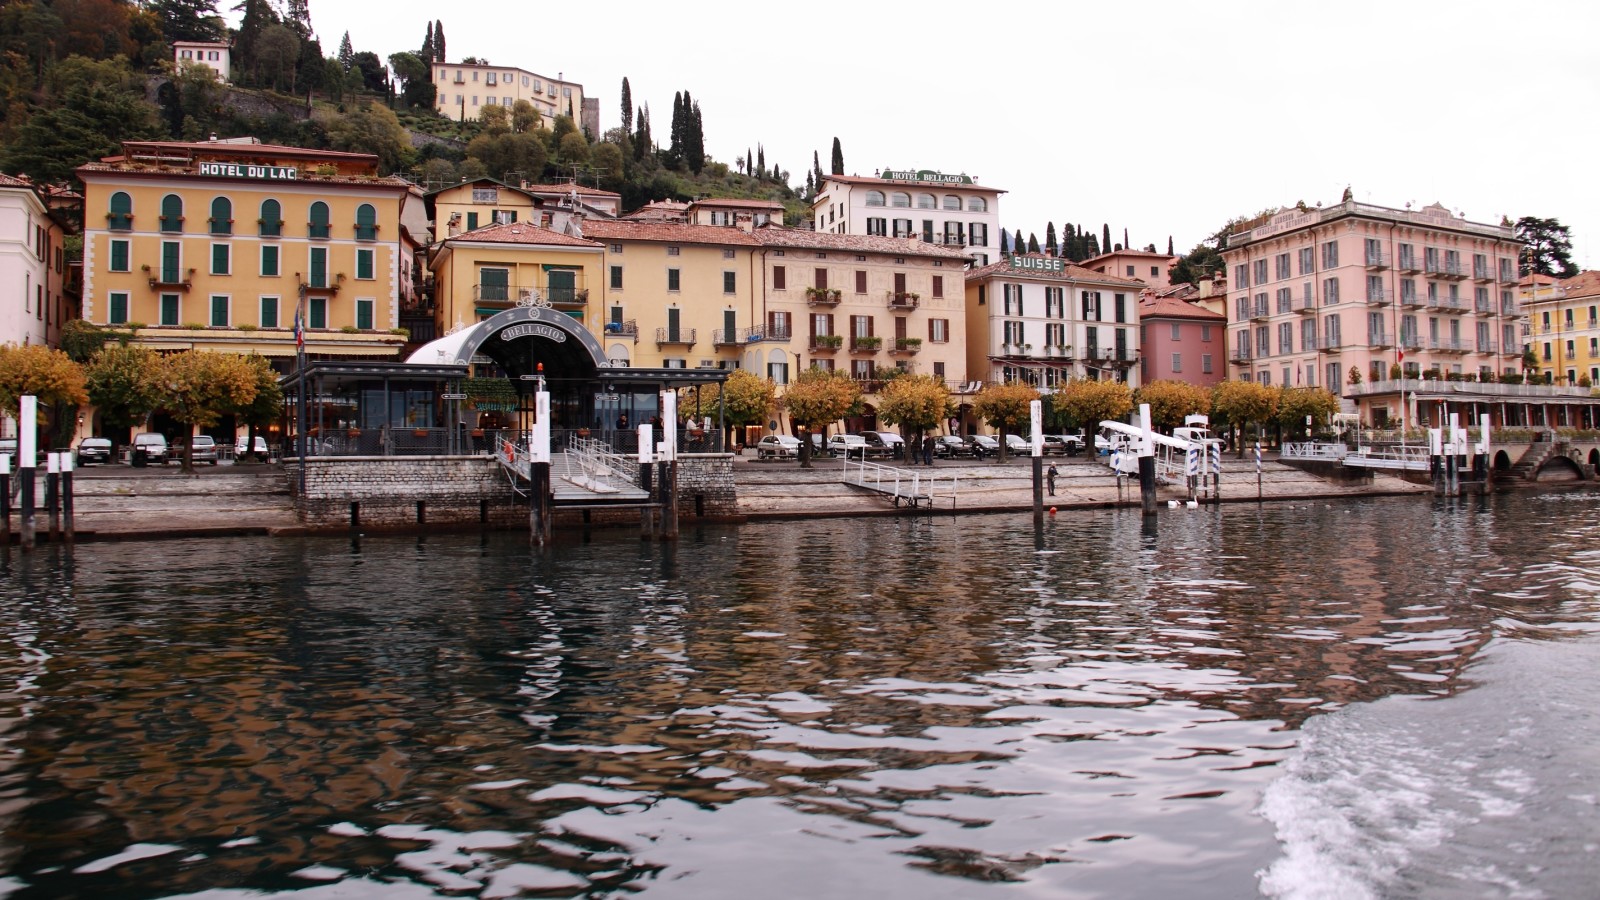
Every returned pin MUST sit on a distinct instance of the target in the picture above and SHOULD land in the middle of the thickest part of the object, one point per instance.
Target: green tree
(607, 158)
(198, 386)
(416, 80)
(643, 143)
(347, 52)
(816, 399)
(124, 384)
(1236, 404)
(627, 106)
(373, 77)
(746, 399)
(1005, 407)
(438, 42)
(496, 119)
(1105, 237)
(278, 55)
(427, 46)
(837, 165)
(1090, 402)
(505, 155)
(1171, 401)
(189, 20)
(1296, 403)
(1549, 248)
(101, 104)
(1197, 265)
(372, 128)
(917, 403)
(258, 15)
(264, 406)
(525, 117)
(573, 151)
(1033, 243)
(1050, 239)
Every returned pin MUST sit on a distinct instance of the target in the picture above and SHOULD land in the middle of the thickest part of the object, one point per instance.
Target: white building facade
(936, 208)
(214, 56)
(33, 267)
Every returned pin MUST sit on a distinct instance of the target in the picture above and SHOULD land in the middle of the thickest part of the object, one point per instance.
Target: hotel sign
(924, 176)
(249, 171)
(1037, 264)
(533, 329)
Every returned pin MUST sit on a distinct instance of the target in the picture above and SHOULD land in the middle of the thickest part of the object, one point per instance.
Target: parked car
(1072, 443)
(884, 443)
(950, 446)
(848, 445)
(239, 446)
(983, 445)
(1017, 445)
(94, 450)
(153, 445)
(203, 448)
(819, 444)
(778, 446)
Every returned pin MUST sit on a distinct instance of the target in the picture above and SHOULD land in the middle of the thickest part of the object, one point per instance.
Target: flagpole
(300, 369)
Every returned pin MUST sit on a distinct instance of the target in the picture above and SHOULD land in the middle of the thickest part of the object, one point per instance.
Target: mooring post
(27, 462)
(5, 501)
(1258, 471)
(1147, 462)
(539, 496)
(668, 452)
(1036, 436)
(52, 494)
(66, 497)
(647, 513)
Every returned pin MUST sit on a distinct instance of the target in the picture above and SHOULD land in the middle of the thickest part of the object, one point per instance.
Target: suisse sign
(925, 176)
(245, 170)
(1038, 264)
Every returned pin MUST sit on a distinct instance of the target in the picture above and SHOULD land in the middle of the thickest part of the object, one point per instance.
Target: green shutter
(119, 256)
(364, 314)
(366, 222)
(729, 282)
(728, 326)
(269, 312)
(119, 309)
(319, 313)
(672, 321)
(494, 284)
(219, 310)
(271, 218)
(319, 267)
(672, 279)
(169, 309)
(219, 259)
(169, 262)
(318, 220)
(363, 263)
(616, 278)
(269, 260)
(562, 285)
(472, 221)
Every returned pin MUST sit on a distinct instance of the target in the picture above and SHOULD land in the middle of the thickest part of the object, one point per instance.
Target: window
(616, 248)
(364, 266)
(819, 278)
(171, 262)
(1130, 271)
(119, 256)
(118, 304)
(779, 278)
(1330, 255)
(1241, 275)
(977, 204)
(120, 214)
(1177, 331)
(877, 225)
(861, 281)
(171, 213)
(673, 251)
(938, 285)
(861, 326)
(366, 222)
(1307, 261)
(269, 312)
(222, 216)
(616, 278)
(900, 200)
(1261, 271)
(952, 202)
(1205, 364)
(169, 309)
(364, 313)
(269, 260)
(1330, 291)
(875, 198)
(221, 258)
(1121, 308)
(271, 224)
(317, 312)
(219, 310)
(902, 228)
(1177, 362)
(673, 280)
(730, 282)
(938, 331)
(319, 267)
(1280, 265)
(978, 236)
(317, 225)
(1285, 337)
(472, 221)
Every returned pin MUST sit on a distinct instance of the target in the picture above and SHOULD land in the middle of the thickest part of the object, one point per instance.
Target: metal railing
(1312, 450)
(483, 441)
(675, 335)
(901, 485)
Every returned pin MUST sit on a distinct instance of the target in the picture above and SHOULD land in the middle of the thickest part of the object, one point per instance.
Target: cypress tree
(838, 157)
(438, 41)
(1069, 241)
(1092, 249)
(675, 135)
(427, 45)
(1105, 238)
(1033, 242)
(1169, 246)
(696, 135)
(627, 107)
(1125, 238)
(816, 171)
(297, 16)
(761, 161)
(641, 138)
(1050, 239)
(1018, 245)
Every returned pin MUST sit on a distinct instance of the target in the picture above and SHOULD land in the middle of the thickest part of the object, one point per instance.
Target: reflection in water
(925, 706)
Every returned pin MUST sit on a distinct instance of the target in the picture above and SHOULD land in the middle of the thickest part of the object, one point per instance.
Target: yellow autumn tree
(1171, 401)
(1091, 402)
(51, 376)
(747, 399)
(198, 386)
(1240, 403)
(1004, 406)
(816, 399)
(917, 403)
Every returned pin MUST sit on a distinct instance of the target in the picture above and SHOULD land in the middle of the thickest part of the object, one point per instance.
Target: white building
(33, 267)
(203, 53)
(952, 210)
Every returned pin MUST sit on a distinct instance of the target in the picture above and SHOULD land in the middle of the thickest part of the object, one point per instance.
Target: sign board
(924, 176)
(248, 171)
(1037, 264)
(452, 396)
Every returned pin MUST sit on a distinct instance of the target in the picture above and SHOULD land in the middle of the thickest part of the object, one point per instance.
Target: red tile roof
(169, 172)
(521, 233)
(664, 232)
(1172, 308)
(1128, 253)
(857, 179)
(1069, 272)
(569, 188)
(744, 204)
(774, 236)
(1583, 284)
(240, 148)
(14, 182)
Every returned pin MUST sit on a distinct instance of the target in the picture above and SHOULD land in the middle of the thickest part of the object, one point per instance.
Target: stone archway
(1559, 468)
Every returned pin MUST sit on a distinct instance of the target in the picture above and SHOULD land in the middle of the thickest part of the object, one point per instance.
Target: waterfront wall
(410, 492)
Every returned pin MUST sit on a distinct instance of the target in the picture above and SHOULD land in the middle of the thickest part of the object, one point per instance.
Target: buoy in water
(1052, 510)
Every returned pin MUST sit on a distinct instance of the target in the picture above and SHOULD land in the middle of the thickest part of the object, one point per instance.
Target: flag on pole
(299, 331)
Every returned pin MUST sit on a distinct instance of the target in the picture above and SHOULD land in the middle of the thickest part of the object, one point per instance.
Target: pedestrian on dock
(1050, 479)
(927, 450)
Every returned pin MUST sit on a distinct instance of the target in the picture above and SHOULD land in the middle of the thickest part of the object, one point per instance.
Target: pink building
(1315, 295)
(1150, 268)
(1181, 342)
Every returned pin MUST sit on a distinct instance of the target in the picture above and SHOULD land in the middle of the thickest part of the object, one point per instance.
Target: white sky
(1164, 118)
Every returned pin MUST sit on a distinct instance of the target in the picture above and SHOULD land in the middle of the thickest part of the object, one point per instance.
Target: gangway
(914, 489)
(588, 471)
(1172, 453)
(1405, 458)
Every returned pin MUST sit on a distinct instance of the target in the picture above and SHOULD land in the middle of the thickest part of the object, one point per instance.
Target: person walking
(927, 450)
(1050, 479)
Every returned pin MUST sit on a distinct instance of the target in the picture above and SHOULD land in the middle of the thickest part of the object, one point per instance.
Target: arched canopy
(518, 340)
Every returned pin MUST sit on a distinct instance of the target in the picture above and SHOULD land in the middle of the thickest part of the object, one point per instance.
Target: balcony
(1488, 347)
(1453, 304)
(1408, 264)
(904, 299)
(1308, 343)
(1448, 345)
(816, 296)
(682, 336)
(1306, 306)
(1330, 345)
(1481, 274)
(1239, 357)
(561, 297)
(1380, 340)
(906, 345)
(725, 337)
(1377, 260)
(1410, 300)
(1454, 271)
(1379, 296)
(826, 343)
(1259, 312)
(869, 344)
(168, 280)
(1410, 341)
(627, 329)
(1483, 308)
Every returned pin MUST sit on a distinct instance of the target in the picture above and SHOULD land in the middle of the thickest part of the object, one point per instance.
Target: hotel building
(947, 210)
(1564, 326)
(1043, 321)
(1315, 294)
(214, 245)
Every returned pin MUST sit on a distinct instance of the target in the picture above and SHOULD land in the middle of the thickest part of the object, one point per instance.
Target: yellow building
(473, 204)
(215, 245)
(464, 89)
(1564, 326)
(497, 267)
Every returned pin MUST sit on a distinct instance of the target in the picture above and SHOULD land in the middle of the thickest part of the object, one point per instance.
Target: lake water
(1371, 698)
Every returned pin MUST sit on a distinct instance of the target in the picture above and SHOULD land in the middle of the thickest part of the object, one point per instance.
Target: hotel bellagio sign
(249, 171)
(923, 176)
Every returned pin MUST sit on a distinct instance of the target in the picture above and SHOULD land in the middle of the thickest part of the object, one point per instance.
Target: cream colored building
(934, 207)
(1564, 326)
(464, 89)
(215, 56)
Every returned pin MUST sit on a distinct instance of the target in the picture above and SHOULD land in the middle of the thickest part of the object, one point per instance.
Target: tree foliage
(747, 398)
(917, 403)
(1090, 402)
(197, 387)
(837, 164)
(1006, 407)
(816, 399)
(189, 20)
(267, 402)
(1295, 403)
(1549, 248)
(1241, 403)
(1171, 401)
(97, 106)
(373, 128)
(44, 372)
(123, 383)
